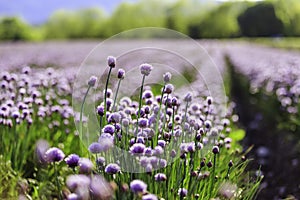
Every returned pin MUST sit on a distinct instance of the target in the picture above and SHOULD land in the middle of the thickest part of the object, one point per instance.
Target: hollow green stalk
(105, 92)
(119, 83)
(81, 111)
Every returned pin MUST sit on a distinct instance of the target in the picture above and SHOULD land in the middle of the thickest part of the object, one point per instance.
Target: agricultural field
(76, 123)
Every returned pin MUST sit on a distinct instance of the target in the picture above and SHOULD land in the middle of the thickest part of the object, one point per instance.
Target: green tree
(221, 22)
(288, 11)
(260, 20)
(14, 29)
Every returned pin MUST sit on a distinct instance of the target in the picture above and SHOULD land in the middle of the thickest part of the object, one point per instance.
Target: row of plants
(152, 146)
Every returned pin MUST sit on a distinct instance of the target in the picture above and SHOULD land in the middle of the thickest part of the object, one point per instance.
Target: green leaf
(237, 135)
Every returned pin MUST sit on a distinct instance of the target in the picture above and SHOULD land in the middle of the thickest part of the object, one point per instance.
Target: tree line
(191, 17)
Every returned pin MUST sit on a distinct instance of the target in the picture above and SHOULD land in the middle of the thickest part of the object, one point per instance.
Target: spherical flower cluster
(121, 74)
(111, 61)
(54, 154)
(138, 186)
(146, 69)
(112, 168)
(92, 81)
(72, 160)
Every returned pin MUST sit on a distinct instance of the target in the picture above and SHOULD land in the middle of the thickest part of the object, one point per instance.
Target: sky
(38, 11)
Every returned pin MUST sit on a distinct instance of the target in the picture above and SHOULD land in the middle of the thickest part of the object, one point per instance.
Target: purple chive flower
(75, 182)
(109, 129)
(182, 192)
(145, 69)
(143, 122)
(209, 100)
(149, 197)
(160, 177)
(121, 74)
(147, 94)
(161, 143)
(114, 118)
(92, 81)
(167, 77)
(112, 168)
(106, 142)
(138, 186)
(191, 147)
(188, 97)
(148, 168)
(215, 149)
(100, 110)
(95, 148)
(169, 88)
(85, 166)
(111, 61)
(148, 151)
(72, 160)
(100, 188)
(54, 155)
(100, 161)
(158, 150)
(162, 163)
(137, 148)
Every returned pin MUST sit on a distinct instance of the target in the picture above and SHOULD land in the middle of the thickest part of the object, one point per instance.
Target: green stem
(140, 103)
(213, 177)
(158, 114)
(81, 111)
(105, 92)
(119, 83)
(57, 181)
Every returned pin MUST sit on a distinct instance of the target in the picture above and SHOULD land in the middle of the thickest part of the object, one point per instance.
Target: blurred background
(34, 20)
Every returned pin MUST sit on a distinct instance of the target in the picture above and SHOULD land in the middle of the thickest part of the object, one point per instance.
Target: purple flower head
(109, 129)
(74, 182)
(169, 88)
(85, 166)
(167, 77)
(162, 163)
(158, 150)
(109, 93)
(95, 148)
(114, 118)
(161, 143)
(138, 186)
(148, 168)
(145, 69)
(111, 61)
(209, 100)
(148, 151)
(160, 177)
(121, 74)
(100, 188)
(100, 161)
(143, 122)
(54, 155)
(137, 148)
(92, 81)
(144, 161)
(100, 110)
(182, 192)
(125, 122)
(188, 97)
(112, 168)
(147, 94)
(174, 101)
(149, 197)
(215, 149)
(106, 141)
(140, 140)
(72, 160)
(173, 153)
(191, 147)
